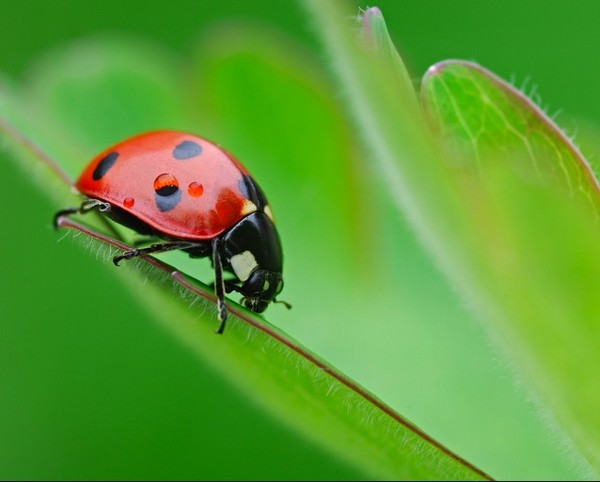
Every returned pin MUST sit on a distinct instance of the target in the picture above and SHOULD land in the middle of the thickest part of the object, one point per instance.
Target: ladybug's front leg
(85, 207)
(219, 286)
(230, 286)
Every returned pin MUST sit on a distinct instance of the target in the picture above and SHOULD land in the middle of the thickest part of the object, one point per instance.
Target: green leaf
(293, 383)
(485, 116)
(270, 367)
(540, 201)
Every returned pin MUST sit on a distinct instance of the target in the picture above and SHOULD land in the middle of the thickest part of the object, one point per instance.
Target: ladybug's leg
(230, 286)
(140, 241)
(155, 248)
(219, 286)
(85, 207)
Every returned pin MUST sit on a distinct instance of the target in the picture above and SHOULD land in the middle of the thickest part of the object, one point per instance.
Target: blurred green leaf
(273, 369)
(256, 98)
(377, 40)
(15, 124)
(99, 91)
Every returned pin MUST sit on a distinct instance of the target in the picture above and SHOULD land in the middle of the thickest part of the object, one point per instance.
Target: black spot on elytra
(167, 190)
(251, 191)
(187, 150)
(167, 202)
(104, 165)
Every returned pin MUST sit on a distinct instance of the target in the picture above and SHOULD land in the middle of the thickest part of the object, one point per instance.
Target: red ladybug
(199, 199)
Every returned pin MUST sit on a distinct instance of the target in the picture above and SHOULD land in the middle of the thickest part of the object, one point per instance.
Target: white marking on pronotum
(243, 264)
(269, 213)
(248, 208)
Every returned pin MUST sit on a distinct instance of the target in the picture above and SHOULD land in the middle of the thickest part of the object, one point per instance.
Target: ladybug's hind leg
(143, 241)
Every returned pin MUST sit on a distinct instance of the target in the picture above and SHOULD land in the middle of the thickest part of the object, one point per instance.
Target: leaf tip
(439, 67)
(372, 13)
(433, 70)
(373, 24)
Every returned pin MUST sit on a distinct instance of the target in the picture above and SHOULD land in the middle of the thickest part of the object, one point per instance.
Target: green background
(90, 390)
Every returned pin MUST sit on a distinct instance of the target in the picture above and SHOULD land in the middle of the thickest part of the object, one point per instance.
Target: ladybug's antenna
(285, 303)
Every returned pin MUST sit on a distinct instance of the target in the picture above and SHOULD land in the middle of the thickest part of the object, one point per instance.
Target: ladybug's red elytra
(196, 197)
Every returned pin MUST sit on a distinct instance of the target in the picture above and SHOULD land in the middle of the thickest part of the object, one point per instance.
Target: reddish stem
(33, 149)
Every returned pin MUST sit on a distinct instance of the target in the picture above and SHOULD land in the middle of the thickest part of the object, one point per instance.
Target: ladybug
(197, 198)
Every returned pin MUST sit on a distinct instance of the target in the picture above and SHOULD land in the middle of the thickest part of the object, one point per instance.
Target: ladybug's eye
(166, 184)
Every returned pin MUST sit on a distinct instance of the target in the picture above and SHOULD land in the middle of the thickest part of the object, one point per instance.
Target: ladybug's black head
(260, 289)
(251, 250)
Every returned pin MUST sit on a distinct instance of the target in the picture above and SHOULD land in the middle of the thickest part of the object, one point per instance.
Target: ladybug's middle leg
(155, 248)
